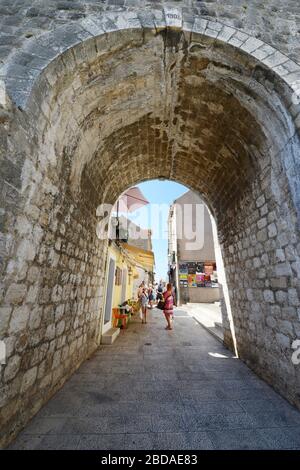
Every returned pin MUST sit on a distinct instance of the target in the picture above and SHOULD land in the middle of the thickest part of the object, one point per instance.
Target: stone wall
(275, 22)
(94, 103)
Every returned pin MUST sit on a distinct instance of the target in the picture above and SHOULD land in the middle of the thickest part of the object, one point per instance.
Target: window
(118, 276)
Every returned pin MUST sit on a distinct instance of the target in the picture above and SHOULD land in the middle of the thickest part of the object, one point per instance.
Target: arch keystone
(173, 17)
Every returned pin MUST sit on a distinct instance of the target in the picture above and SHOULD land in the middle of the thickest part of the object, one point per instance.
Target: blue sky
(157, 193)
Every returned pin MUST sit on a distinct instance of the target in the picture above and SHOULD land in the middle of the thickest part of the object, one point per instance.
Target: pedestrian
(139, 296)
(168, 306)
(144, 302)
(150, 296)
(159, 294)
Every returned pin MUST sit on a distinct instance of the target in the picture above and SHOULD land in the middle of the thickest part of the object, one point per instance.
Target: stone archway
(125, 99)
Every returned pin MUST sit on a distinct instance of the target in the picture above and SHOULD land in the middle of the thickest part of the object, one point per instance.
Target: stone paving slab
(158, 389)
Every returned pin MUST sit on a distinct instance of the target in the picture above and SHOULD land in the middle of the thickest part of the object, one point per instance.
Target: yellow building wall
(122, 263)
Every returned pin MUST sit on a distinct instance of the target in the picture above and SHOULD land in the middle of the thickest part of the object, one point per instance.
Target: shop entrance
(109, 294)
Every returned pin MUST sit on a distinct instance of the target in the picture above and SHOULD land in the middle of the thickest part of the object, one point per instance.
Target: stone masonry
(97, 96)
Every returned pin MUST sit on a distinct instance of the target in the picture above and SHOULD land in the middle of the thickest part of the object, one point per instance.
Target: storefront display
(200, 279)
(198, 274)
(192, 280)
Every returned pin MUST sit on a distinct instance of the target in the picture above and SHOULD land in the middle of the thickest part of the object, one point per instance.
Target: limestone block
(50, 332)
(60, 327)
(29, 379)
(56, 359)
(269, 296)
(26, 250)
(260, 201)
(23, 226)
(263, 52)
(56, 293)
(59, 312)
(283, 341)
(271, 322)
(293, 297)
(15, 293)
(19, 319)
(211, 32)
(275, 310)
(46, 381)
(280, 255)
(200, 25)
(275, 59)
(262, 223)
(262, 235)
(5, 313)
(281, 296)
(283, 269)
(33, 274)
(92, 25)
(289, 313)
(272, 230)
(146, 19)
(286, 327)
(35, 317)
(32, 293)
(251, 44)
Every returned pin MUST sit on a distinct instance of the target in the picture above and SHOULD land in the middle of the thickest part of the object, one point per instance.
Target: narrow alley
(158, 389)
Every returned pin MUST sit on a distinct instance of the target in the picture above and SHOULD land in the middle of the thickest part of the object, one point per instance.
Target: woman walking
(150, 296)
(168, 306)
(144, 303)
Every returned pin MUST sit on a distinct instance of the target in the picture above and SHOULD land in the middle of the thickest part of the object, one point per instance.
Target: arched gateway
(102, 103)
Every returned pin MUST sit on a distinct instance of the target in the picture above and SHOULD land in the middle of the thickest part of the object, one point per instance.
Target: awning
(130, 201)
(143, 258)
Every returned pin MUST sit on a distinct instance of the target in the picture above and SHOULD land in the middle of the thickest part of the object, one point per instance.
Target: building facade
(137, 241)
(129, 262)
(191, 250)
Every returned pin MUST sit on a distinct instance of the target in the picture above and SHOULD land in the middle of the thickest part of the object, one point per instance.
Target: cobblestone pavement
(158, 389)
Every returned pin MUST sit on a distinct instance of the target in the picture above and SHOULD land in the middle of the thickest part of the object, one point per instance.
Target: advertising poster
(209, 268)
(192, 280)
(198, 274)
(192, 268)
(200, 267)
(207, 280)
(200, 279)
(183, 268)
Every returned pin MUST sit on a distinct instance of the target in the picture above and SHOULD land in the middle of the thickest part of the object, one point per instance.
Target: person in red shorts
(169, 305)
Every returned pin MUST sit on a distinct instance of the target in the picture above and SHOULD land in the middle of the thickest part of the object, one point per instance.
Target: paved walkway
(158, 389)
(208, 315)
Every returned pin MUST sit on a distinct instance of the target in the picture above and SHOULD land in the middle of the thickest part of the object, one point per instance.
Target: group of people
(163, 293)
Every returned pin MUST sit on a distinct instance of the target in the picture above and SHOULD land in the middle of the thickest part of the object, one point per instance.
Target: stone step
(208, 316)
(110, 336)
(216, 331)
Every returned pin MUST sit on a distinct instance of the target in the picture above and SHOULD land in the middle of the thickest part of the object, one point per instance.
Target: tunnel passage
(119, 109)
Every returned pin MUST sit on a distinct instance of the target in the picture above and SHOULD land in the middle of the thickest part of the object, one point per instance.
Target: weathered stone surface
(12, 368)
(15, 293)
(211, 107)
(19, 319)
(5, 313)
(28, 379)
